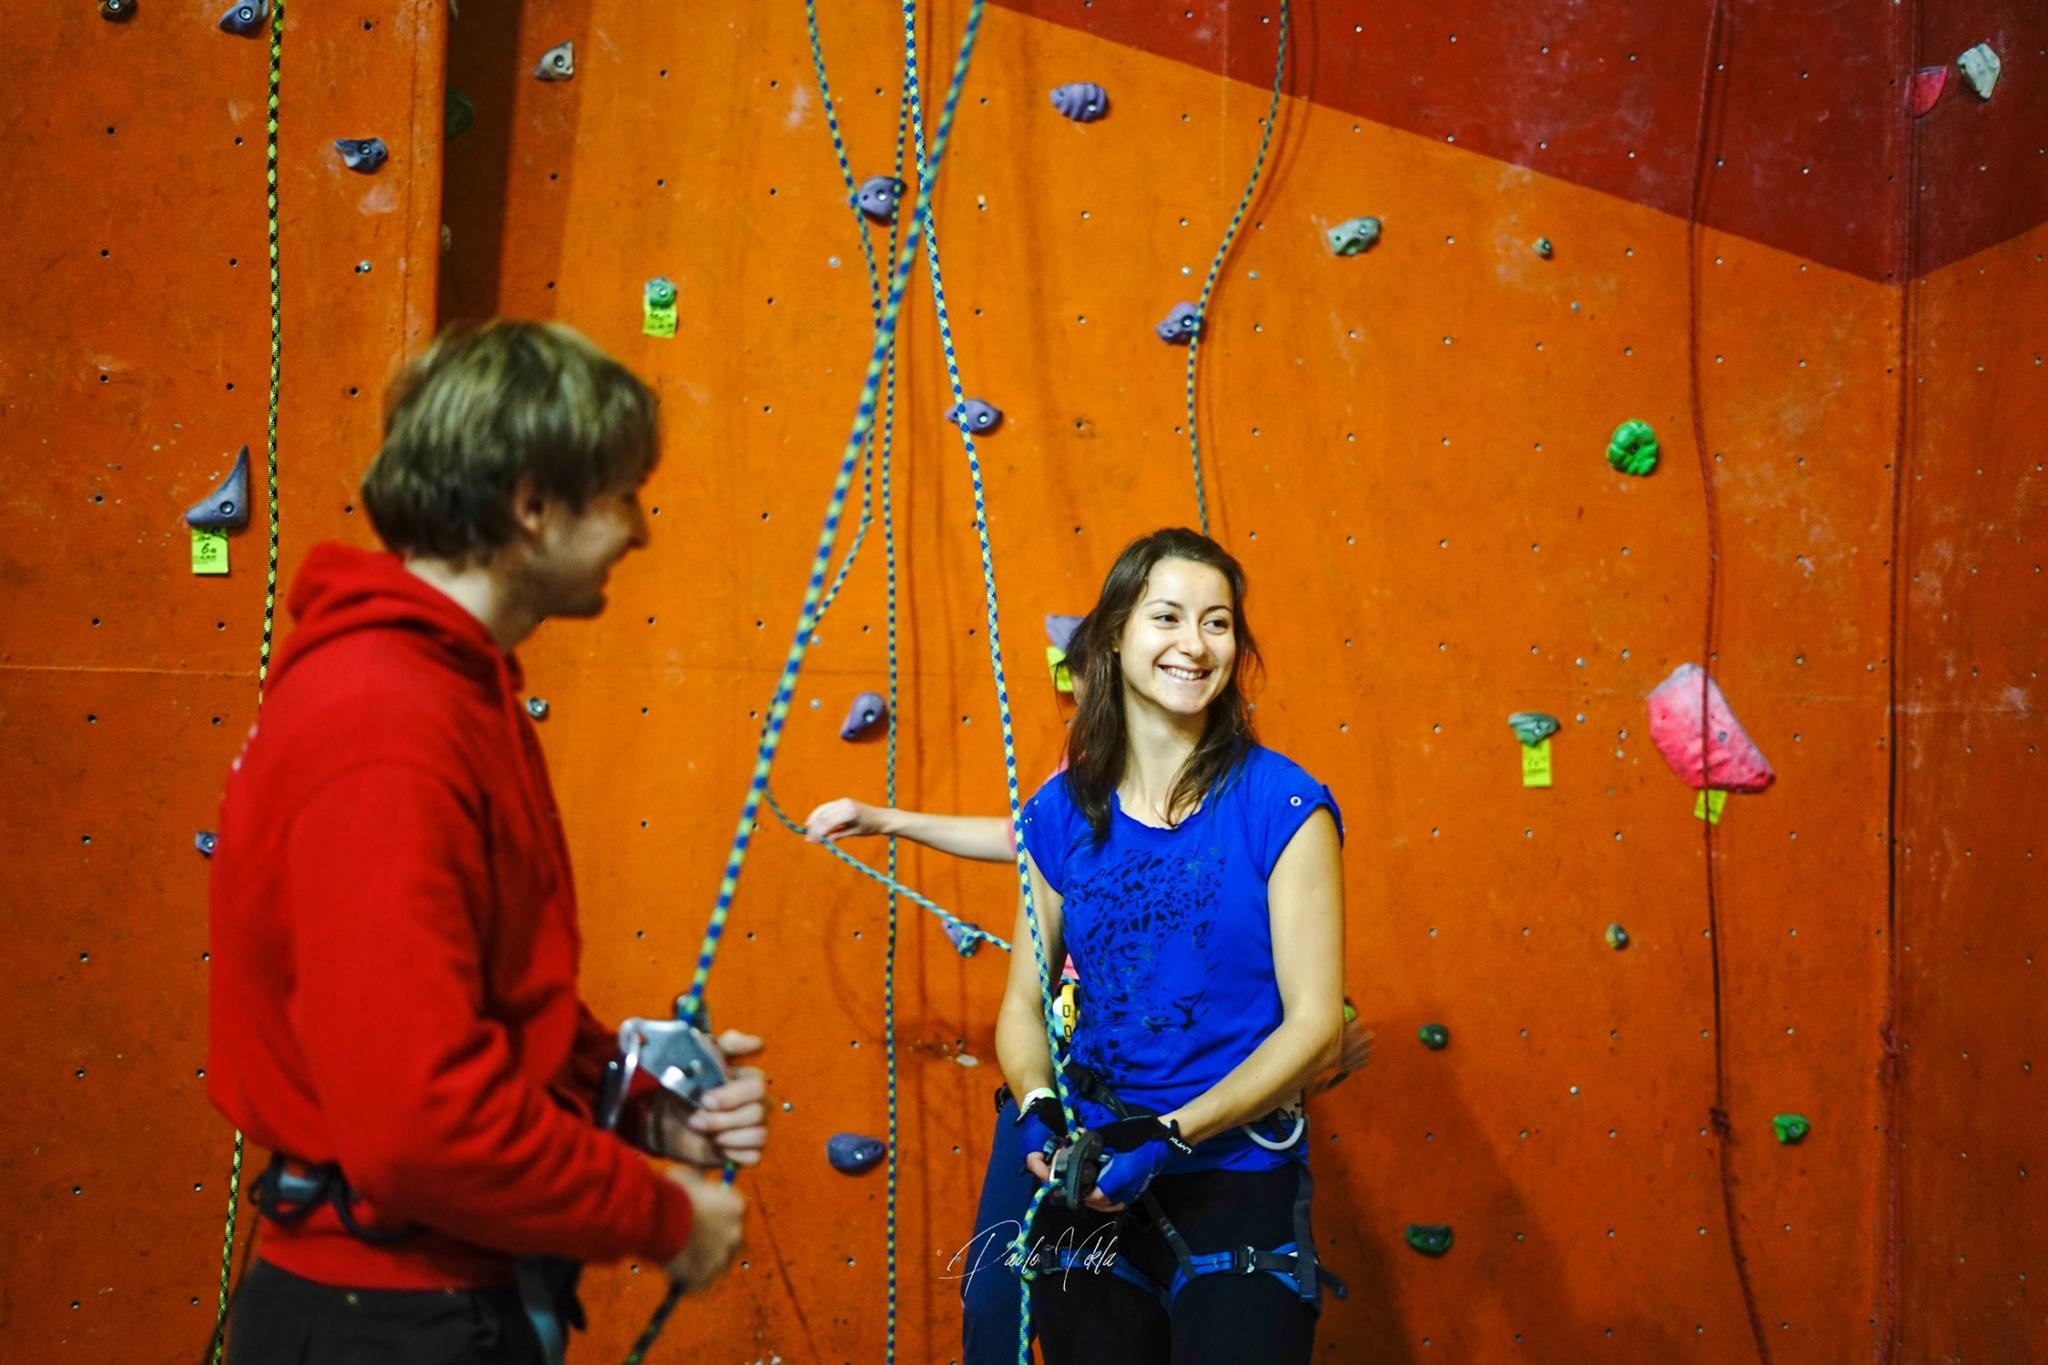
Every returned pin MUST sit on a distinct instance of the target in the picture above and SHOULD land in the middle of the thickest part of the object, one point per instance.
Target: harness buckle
(1245, 1260)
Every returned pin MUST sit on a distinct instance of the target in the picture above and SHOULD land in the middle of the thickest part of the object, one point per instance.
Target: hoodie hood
(340, 590)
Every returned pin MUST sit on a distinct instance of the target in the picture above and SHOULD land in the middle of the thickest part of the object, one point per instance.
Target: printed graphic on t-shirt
(1144, 928)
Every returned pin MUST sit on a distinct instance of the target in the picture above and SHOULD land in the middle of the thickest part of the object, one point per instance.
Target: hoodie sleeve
(387, 879)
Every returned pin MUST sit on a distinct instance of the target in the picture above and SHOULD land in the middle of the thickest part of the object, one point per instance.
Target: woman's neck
(1156, 749)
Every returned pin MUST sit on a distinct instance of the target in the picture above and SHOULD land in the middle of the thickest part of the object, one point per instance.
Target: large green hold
(1431, 1239)
(1435, 1037)
(1791, 1128)
(1633, 448)
(1532, 727)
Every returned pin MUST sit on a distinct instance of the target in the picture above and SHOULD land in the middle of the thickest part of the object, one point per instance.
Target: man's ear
(529, 506)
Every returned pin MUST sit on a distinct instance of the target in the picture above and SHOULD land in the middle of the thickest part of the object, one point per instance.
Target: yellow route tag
(1708, 807)
(1536, 763)
(209, 551)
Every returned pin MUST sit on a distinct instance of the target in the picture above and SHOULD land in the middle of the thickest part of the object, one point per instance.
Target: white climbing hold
(1980, 68)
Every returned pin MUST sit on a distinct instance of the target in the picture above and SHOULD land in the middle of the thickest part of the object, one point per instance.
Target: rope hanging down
(1244, 202)
(1048, 1012)
(807, 618)
(1723, 1131)
(227, 1241)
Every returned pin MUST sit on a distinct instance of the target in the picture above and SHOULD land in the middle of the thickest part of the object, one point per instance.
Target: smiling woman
(1194, 876)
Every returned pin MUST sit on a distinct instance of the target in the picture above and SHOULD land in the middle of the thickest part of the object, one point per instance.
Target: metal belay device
(684, 1061)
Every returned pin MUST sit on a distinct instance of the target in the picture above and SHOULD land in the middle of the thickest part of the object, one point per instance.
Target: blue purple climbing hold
(204, 841)
(1059, 630)
(1083, 101)
(245, 18)
(558, 63)
(966, 938)
(362, 154)
(851, 1153)
(1179, 327)
(975, 415)
(867, 712)
(226, 508)
(878, 196)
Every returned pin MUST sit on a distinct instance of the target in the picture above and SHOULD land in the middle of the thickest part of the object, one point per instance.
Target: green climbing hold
(1633, 448)
(1431, 1239)
(1617, 937)
(1350, 1013)
(1435, 1037)
(1791, 1128)
(1542, 247)
(1533, 727)
(458, 111)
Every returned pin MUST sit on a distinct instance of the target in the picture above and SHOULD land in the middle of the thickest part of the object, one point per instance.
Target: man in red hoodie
(394, 1006)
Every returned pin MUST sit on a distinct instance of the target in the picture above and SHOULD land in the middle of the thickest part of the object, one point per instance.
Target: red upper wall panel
(1605, 93)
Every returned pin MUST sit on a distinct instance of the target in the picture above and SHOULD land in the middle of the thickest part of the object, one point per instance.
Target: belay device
(684, 1061)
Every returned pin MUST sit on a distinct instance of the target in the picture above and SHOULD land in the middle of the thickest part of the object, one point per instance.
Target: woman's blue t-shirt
(1172, 936)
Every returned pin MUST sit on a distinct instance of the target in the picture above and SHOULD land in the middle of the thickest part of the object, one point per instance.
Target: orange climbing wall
(1405, 449)
(134, 362)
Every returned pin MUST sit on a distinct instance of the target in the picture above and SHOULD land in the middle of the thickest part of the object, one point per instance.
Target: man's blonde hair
(486, 405)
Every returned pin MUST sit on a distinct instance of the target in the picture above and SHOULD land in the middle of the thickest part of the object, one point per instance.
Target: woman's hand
(838, 818)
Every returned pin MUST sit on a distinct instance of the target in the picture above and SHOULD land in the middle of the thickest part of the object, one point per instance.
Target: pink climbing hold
(1733, 763)
(1925, 91)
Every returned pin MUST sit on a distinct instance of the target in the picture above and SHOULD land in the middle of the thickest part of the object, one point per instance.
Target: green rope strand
(1216, 266)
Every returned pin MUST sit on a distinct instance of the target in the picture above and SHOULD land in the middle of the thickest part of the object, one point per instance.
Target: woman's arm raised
(1305, 900)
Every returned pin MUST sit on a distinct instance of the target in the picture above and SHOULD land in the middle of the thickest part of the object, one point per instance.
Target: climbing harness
(1201, 314)
(289, 1190)
(1076, 1166)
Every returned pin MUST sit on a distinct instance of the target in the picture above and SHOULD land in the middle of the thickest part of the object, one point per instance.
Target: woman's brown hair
(1096, 740)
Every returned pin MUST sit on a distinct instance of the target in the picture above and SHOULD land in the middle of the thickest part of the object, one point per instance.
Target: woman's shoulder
(1265, 769)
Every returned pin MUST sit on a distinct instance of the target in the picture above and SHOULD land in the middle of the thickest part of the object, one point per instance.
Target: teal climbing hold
(1617, 937)
(1633, 448)
(1542, 247)
(1435, 1037)
(1791, 1128)
(1431, 1239)
(1533, 727)
(1354, 235)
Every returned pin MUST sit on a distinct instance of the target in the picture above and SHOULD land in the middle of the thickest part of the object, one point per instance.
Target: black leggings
(1090, 1316)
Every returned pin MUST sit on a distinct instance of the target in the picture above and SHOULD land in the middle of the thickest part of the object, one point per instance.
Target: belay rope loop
(227, 1241)
(1216, 266)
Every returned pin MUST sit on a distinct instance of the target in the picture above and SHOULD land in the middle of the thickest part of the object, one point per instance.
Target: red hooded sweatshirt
(395, 951)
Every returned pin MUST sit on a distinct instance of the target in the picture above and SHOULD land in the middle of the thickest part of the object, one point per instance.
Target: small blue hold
(245, 18)
(878, 196)
(361, 154)
(1179, 327)
(1083, 101)
(975, 415)
(204, 841)
(1059, 630)
(966, 938)
(226, 508)
(851, 1154)
(863, 716)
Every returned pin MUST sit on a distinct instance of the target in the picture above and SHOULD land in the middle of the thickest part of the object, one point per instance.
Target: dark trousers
(1090, 1316)
(991, 1295)
(279, 1318)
